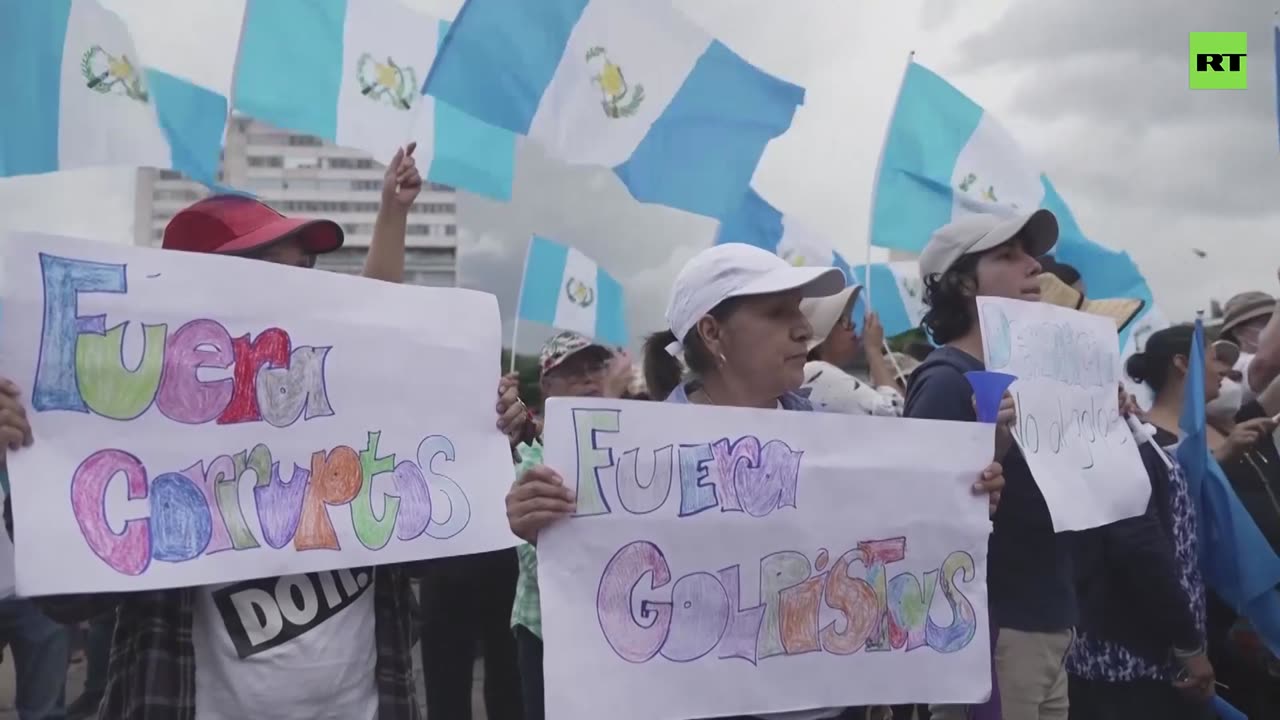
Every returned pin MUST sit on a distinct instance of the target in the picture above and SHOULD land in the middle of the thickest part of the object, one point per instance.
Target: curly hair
(947, 297)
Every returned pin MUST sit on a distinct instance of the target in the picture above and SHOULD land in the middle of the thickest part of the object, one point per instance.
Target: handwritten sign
(204, 419)
(1079, 448)
(727, 561)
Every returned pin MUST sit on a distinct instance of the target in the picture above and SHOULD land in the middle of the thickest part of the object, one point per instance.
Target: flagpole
(515, 323)
(875, 183)
(875, 187)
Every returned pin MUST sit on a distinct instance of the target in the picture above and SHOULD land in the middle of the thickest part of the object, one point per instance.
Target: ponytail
(662, 372)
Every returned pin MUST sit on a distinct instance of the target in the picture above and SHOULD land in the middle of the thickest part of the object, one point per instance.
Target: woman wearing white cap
(834, 346)
(735, 316)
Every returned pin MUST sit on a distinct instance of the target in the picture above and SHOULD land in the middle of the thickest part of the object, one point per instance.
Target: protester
(173, 652)
(735, 316)
(835, 347)
(97, 659)
(39, 647)
(1252, 466)
(570, 365)
(1029, 573)
(1251, 324)
(466, 606)
(1140, 649)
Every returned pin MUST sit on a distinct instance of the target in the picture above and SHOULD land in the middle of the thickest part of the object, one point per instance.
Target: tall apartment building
(302, 176)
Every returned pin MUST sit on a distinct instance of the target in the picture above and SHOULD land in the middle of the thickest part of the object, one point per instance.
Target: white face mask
(1227, 404)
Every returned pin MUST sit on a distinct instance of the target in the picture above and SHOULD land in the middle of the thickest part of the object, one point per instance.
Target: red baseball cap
(237, 224)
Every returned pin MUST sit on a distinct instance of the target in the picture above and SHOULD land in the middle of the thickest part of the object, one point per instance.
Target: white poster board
(203, 419)
(1079, 448)
(730, 561)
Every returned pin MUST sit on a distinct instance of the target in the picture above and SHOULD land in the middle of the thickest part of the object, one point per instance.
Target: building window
(304, 141)
(179, 195)
(350, 163)
(437, 187)
(170, 175)
(366, 184)
(322, 206)
(422, 266)
(436, 208)
(450, 230)
(273, 161)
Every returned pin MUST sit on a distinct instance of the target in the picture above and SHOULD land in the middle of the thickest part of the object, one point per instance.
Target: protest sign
(1079, 448)
(729, 561)
(202, 419)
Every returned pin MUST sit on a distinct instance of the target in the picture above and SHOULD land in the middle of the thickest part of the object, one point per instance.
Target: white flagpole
(875, 187)
(515, 322)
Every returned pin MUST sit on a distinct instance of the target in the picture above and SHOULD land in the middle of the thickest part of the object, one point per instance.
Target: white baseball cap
(823, 313)
(980, 232)
(735, 270)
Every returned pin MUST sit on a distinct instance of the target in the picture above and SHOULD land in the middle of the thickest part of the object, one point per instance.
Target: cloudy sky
(1097, 91)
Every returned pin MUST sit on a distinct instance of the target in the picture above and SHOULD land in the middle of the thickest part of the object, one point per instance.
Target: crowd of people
(1114, 622)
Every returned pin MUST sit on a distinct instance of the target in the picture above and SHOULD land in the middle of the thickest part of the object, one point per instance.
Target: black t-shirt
(1029, 573)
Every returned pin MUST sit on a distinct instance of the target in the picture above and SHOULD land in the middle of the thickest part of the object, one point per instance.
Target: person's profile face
(285, 252)
(764, 341)
(1008, 271)
(1248, 333)
(579, 375)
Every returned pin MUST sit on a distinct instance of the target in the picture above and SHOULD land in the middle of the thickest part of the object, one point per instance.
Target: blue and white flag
(631, 85)
(351, 72)
(78, 95)
(945, 157)
(896, 290)
(1235, 558)
(565, 289)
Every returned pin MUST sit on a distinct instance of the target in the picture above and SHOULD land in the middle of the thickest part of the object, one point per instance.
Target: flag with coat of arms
(80, 96)
(351, 72)
(945, 156)
(564, 288)
(630, 85)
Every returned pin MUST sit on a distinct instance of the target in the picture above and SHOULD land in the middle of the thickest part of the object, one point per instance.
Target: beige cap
(823, 313)
(981, 232)
(1056, 292)
(1246, 306)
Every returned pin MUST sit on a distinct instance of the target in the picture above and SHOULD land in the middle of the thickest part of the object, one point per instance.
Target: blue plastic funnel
(988, 391)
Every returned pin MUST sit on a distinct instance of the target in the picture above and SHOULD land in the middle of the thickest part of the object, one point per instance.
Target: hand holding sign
(537, 499)
(15, 431)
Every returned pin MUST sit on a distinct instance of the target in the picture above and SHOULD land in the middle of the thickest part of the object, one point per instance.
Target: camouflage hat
(558, 349)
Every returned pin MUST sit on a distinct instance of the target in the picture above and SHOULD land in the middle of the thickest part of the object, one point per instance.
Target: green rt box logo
(1219, 60)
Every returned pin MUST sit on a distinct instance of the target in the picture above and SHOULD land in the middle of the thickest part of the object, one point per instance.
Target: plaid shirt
(152, 675)
(527, 609)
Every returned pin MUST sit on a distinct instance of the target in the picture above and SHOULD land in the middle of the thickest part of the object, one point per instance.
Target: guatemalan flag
(631, 85)
(351, 72)
(565, 289)
(945, 157)
(77, 95)
(896, 290)
(1235, 558)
